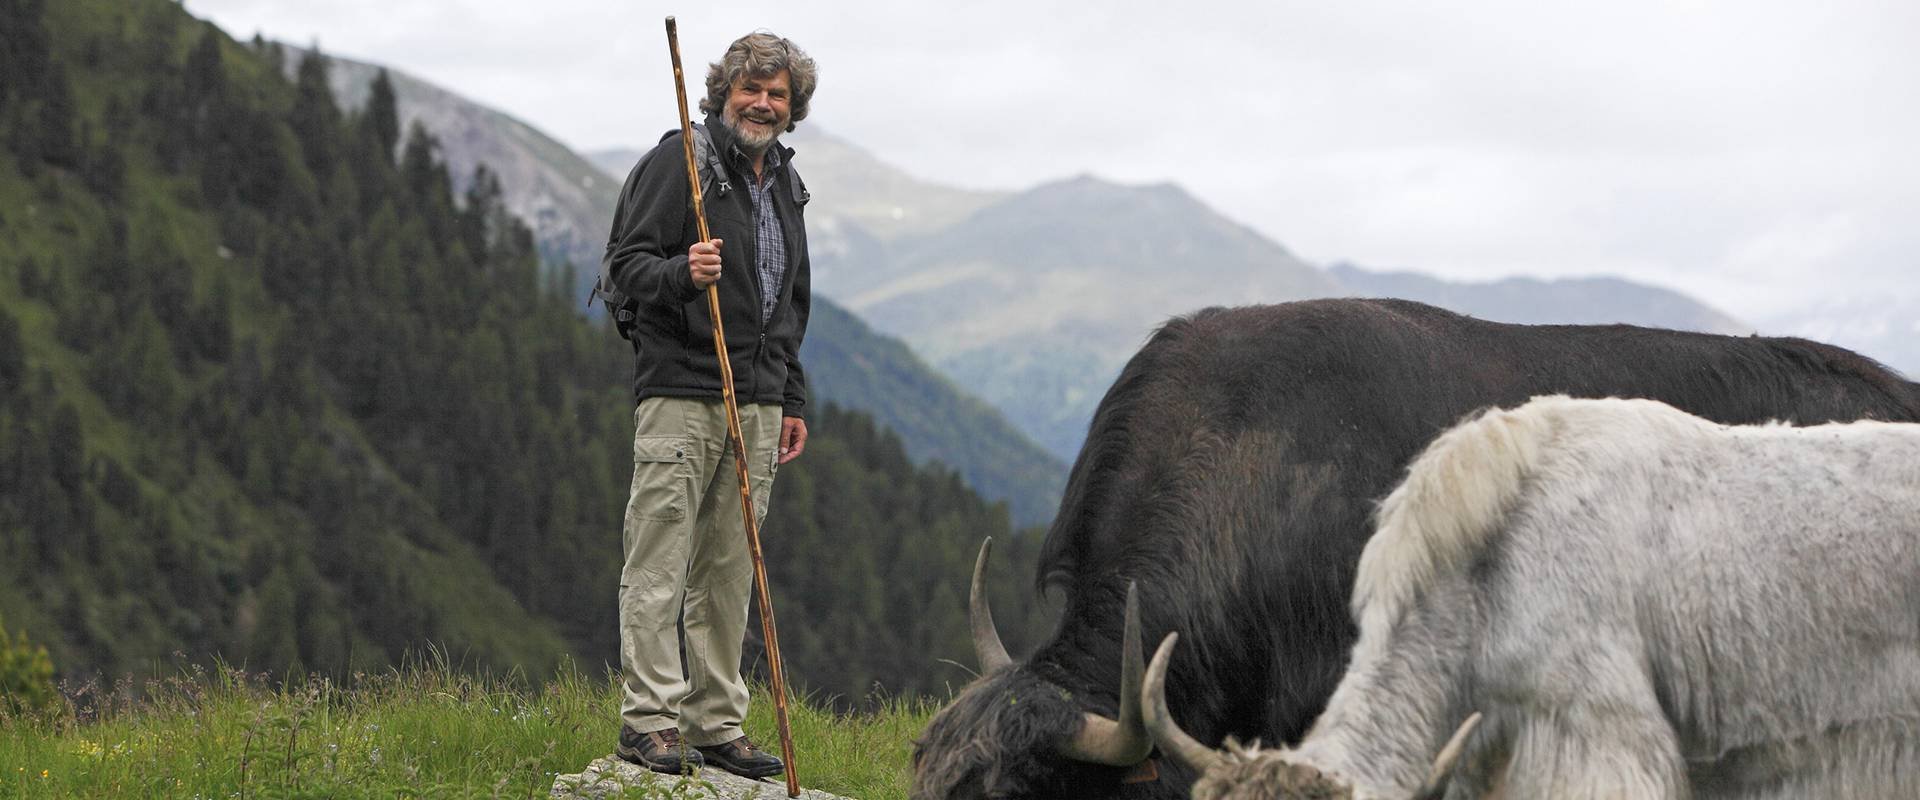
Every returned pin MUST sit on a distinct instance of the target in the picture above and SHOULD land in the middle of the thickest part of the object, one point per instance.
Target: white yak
(1641, 603)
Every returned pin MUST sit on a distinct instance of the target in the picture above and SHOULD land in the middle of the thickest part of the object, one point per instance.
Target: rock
(610, 777)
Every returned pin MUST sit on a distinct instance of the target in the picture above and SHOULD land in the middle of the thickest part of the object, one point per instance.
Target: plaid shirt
(770, 256)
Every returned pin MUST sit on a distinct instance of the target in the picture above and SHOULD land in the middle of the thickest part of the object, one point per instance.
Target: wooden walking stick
(733, 434)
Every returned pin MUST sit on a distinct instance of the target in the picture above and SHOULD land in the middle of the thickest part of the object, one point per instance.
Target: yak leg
(1593, 731)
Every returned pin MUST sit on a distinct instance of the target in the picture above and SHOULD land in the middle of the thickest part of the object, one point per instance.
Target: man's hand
(703, 263)
(793, 438)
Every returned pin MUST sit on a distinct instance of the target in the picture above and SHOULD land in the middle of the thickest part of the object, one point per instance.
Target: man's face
(758, 109)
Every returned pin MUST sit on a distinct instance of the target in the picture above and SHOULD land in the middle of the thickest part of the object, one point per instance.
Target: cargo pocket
(660, 477)
(763, 485)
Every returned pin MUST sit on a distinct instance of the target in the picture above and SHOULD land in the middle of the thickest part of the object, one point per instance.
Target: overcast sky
(1756, 154)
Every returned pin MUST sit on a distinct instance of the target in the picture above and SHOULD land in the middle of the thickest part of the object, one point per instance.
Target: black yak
(1231, 471)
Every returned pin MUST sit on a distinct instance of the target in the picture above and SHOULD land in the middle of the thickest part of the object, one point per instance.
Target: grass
(421, 731)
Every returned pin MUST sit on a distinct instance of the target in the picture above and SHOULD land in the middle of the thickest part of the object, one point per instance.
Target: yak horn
(1166, 733)
(986, 639)
(1442, 771)
(1119, 742)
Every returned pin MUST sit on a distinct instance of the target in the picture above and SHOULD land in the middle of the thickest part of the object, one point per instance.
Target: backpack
(624, 310)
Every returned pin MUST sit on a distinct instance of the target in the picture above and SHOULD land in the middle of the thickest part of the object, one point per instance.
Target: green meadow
(426, 730)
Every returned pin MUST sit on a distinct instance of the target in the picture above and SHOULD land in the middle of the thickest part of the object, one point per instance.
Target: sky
(1757, 154)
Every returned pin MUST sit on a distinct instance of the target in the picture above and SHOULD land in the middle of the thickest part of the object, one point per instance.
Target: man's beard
(754, 139)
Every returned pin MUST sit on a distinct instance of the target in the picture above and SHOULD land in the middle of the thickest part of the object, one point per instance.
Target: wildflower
(43, 773)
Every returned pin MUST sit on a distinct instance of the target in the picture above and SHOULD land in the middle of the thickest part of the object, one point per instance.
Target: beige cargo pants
(688, 566)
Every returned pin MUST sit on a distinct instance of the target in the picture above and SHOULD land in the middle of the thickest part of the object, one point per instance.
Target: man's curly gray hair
(761, 55)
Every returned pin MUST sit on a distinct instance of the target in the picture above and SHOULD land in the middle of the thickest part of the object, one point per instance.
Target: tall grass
(425, 730)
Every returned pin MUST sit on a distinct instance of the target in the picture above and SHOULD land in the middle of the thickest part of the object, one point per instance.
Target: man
(687, 566)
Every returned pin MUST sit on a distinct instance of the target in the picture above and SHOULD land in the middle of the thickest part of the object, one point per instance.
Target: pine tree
(211, 332)
(103, 169)
(66, 449)
(315, 118)
(13, 355)
(53, 139)
(420, 164)
(24, 51)
(383, 116)
(205, 76)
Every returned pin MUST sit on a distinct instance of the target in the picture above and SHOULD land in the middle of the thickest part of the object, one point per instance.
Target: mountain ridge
(1595, 300)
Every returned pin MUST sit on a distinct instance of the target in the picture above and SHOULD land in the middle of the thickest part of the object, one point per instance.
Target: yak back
(1233, 467)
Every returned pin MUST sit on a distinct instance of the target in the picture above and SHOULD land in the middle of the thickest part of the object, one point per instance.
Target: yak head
(1251, 773)
(1014, 734)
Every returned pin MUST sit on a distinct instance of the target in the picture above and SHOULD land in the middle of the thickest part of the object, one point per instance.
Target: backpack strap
(713, 182)
(706, 159)
(800, 193)
(713, 177)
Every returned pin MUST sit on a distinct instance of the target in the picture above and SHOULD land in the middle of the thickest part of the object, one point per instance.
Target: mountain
(850, 185)
(1531, 301)
(569, 202)
(1886, 328)
(270, 395)
(614, 161)
(566, 199)
(852, 366)
(1035, 301)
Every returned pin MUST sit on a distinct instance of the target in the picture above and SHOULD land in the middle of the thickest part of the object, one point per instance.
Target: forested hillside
(851, 364)
(270, 394)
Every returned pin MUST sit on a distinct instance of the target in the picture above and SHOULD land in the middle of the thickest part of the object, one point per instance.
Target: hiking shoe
(660, 751)
(741, 758)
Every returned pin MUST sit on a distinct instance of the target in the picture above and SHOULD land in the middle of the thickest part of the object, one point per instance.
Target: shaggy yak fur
(1641, 603)
(1231, 471)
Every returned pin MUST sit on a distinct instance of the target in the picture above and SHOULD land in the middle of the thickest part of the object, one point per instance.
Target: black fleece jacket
(653, 226)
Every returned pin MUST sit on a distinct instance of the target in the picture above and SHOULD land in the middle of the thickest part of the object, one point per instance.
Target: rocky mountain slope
(564, 198)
